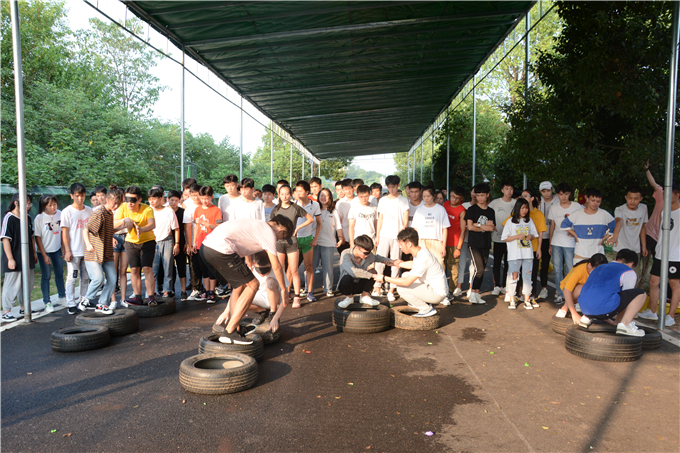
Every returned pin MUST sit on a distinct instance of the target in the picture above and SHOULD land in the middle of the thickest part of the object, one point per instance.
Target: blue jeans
(46, 271)
(97, 272)
(526, 266)
(165, 258)
(325, 254)
(563, 261)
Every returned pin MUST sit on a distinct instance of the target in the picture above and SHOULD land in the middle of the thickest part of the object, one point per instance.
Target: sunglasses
(131, 199)
(364, 252)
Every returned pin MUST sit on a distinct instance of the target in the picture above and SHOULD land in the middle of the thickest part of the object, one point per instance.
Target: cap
(545, 185)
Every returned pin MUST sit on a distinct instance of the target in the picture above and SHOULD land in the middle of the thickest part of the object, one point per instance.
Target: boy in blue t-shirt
(610, 290)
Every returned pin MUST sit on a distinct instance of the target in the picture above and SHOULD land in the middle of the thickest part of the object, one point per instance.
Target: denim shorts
(120, 243)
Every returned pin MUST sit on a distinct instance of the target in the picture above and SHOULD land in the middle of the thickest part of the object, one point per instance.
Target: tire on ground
(595, 327)
(262, 330)
(560, 325)
(218, 374)
(123, 321)
(152, 311)
(402, 318)
(603, 346)
(652, 338)
(210, 344)
(80, 338)
(361, 318)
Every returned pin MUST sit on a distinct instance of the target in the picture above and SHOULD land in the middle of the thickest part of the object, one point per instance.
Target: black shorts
(286, 246)
(626, 296)
(206, 272)
(140, 255)
(673, 269)
(230, 269)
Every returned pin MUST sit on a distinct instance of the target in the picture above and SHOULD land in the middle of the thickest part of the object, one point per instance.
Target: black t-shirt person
(480, 239)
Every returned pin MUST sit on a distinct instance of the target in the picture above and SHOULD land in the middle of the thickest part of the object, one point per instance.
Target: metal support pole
(290, 179)
(271, 148)
(421, 160)
(319, 169)
(181, 120)
(432, 158)
(240, 151)
(527, 23)
(668, 179)
(448, 160)
(21, 155)
(303, 166)
(474, 132)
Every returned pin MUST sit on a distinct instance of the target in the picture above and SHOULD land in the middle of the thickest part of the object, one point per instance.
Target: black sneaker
(151, 301)
(33, 310)
(246, 330)
(235, 337)
(73, 310)
(171, 294)
(211, 297)
(261, 317)
(134, 300)
(184, 295)
(85, 304)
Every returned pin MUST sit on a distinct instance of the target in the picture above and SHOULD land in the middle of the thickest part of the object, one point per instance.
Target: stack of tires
(362, 318)
(225, 368)
(94, 330)
(600, 342)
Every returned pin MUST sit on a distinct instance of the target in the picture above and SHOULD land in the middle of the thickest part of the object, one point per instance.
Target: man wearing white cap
(547, 200)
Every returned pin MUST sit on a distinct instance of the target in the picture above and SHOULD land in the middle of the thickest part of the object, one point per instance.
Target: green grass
(36, 294)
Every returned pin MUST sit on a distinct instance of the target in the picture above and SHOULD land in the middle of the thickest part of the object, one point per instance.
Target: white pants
(419, 295)
(76, 265)
(12, 288)
(389, 248)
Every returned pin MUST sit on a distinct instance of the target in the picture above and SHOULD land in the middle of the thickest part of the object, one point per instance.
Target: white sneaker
(561, 313)
(61, 301)
(647, 314)
(467, 294)
(543, 294)
(630, 329)
(368, 300)
(527, 305)
(502, 290)
(194, 294)
(303, 292)
(445, 301)
(479, 299)
(424, 313)
(513, 305)
(376, 292)
(457, 292)
(559, 300)
(496, 291)
(578, 308)
(346, 302)
(329, 294)
(49, 308)
(390, 297)
(669, 321)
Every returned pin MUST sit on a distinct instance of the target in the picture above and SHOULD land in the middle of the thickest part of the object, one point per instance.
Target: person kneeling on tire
(425, 283)
(573, 283)
(610, 290)
(354, 274)
(269, 295)
(224, 251)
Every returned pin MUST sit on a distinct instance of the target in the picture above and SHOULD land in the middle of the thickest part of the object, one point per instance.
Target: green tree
(368, 176)
(602, 111)
(402, 164)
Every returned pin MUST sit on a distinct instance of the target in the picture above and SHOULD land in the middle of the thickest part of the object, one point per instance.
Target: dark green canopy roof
(344, 78)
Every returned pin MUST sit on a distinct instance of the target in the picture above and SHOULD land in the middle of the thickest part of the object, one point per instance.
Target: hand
(128, 223)
(397, 262)
(456, 253)
(550, 250)
(538, 254)
(35, 257)
(114, 242)
(295, 233)
(313, 244)
(376, 242)
(443, 252)
(644, 251)
(187, 249)
(68, 256)
(89, 247)
(340, 241)
(274, 324)
(376, 277)
(175, 250)
(48, 261)
(647, 165)
(11, 264)
(136, 228)
(223, 318)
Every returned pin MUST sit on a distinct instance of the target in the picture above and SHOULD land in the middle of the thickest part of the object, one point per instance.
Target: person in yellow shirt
(574, 281)
(140, 244)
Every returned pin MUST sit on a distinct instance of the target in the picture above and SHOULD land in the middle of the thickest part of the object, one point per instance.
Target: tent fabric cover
(344, 78)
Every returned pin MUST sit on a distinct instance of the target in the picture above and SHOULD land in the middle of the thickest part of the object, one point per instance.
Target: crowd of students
(417, 246)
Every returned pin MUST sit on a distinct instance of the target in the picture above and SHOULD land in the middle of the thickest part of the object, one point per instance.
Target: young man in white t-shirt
(362, 216)
(343, 206)
(308, 235)
(392, 218)
(190, 206)
(245, 206)
(590, 227)
(167, 239)
(73, 220)
(503, 209)
(425, 283)
(630, 232)
(561, 244)
(415, 199)
(548, 199)
(232, 189)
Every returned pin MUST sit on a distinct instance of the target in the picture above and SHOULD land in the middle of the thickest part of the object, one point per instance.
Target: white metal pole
(181, 120)
(474, 131)
(432, 158)
(271, 148)
(240, 151)
(668, 180)
(527, 23)
(291, 163)
(448, 159)
(303, 166)
(421, 160)
(21, 155)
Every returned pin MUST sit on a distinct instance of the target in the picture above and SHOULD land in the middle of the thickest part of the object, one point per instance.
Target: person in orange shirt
(207, 216)
(574, 281)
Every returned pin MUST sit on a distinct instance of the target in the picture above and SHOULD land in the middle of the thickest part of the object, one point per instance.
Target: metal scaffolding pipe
(527, 23)
(21, 156)
(432, 158)
(240, 151)
(668, 179)
(421, 160)
(271, 148)
(474, 131)
(448, 158)
(290, 179)
(181, 120)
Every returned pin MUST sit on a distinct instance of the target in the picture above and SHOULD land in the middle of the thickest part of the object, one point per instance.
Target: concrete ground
(488, 380)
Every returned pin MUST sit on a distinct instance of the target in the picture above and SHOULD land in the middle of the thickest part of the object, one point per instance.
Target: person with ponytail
(48, 242)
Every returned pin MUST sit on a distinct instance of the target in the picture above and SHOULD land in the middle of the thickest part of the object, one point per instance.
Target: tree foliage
(600, 111)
